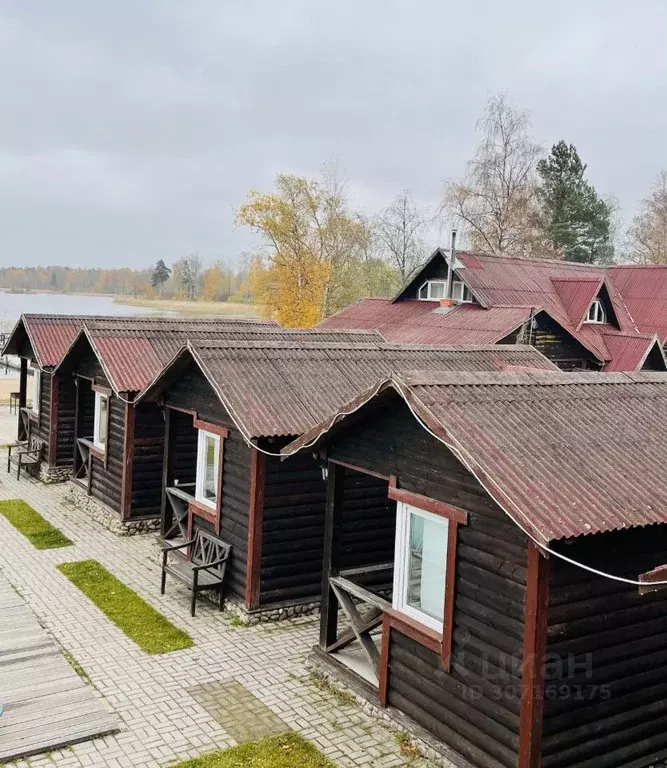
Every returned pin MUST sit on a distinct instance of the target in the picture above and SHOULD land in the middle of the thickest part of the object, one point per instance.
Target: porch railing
(364, 610)
(179, 500)
(83, 473)
(25, 425)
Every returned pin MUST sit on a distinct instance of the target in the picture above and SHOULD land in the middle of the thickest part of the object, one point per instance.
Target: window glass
(596, 312)
(36, 389)
(423, 291)
(208, 466)
(437, 290)
(101, 420)
(420, 568)
(426, 565)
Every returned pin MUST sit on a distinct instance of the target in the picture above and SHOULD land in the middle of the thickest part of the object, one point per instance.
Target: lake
(12, 305)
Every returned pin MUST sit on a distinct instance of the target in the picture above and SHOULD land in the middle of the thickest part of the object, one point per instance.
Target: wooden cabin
(450, 612)
(580, 316)
(229, 409)
(118, 446)
(46, 401)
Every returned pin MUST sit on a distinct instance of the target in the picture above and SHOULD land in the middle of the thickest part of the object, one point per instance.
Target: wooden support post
(332, 523)
(166, 512)
(532, 668)
(53, 417)
(128, 461)
(255, 529)
(23, 397)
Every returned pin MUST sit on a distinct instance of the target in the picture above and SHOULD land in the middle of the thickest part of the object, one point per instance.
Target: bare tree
(647, 235)
(495, 202)
(400, 230)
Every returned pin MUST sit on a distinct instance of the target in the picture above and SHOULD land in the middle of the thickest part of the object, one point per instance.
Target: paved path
(161, 721)
(46, 704)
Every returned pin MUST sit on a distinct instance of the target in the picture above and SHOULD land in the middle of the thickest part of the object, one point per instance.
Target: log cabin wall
(557, 345)
(192, 392)
(64, 423)
(476, 707)
(41, 424)
(107, 473)
(606, 694)
(145, 480)
(293, 527)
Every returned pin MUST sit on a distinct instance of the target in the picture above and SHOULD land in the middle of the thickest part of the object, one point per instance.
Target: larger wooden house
(494, 604)
(229, 409)
(581, 316)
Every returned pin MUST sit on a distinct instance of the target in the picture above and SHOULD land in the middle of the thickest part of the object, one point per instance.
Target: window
(208, 468)
(36, 389)
(420, 565)
(596, 313)
(461, 292)
(432, 290)
(101, 422)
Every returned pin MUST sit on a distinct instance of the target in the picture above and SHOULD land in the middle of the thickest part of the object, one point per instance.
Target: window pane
(427, 565)
(437, 291)
(102, 428)
(211, 469)
(423, 292)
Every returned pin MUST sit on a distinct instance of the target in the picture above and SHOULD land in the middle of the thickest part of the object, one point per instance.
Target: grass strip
(39, 532)
(287, 751)
(149, 629)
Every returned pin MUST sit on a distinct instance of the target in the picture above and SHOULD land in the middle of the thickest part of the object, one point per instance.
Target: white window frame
(36, 389)
(428, 284)
(201, 468)
(596, 313)
(402, 560)
(97, 422)
(465, 295)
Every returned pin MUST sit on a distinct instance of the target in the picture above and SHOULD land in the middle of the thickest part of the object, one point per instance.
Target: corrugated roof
(278, 388)
(49, 335)
(507, 289)
(565, 454)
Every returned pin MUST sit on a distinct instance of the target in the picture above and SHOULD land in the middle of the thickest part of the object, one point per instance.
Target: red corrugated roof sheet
(49, 335)
(566, 454)
(280, 387)
(509, 288)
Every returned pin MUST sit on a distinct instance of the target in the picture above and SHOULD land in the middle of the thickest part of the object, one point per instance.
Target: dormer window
(461, 292)
(596, 313)
(432, 290)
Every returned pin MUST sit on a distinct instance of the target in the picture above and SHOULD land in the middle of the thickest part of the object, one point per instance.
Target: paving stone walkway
(161, 721)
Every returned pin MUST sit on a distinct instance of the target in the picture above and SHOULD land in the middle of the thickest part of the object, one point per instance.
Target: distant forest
(186, 279)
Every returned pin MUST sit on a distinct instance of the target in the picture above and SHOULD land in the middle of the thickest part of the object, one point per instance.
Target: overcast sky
(130, 131)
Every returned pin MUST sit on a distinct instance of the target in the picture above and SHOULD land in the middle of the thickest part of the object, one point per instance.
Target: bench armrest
(173, 547)
(214, 564)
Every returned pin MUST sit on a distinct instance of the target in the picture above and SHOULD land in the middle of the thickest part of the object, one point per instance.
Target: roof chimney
(450, 267)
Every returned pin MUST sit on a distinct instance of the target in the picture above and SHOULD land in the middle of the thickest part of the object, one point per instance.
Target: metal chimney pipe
(450, 267)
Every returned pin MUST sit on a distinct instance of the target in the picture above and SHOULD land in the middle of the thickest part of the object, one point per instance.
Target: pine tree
(160, 275)
(576, 221)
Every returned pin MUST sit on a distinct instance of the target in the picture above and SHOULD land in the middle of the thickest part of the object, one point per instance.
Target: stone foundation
(107, 517)
(50, 475)
(395, 721)
(264, 615)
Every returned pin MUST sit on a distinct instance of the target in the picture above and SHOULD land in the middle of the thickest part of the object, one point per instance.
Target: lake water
(13, 305)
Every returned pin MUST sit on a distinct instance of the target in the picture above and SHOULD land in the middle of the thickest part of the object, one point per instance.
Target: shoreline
(184, 307)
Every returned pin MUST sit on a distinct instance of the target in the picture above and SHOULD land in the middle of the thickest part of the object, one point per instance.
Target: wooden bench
(24, 456)
(205, 570)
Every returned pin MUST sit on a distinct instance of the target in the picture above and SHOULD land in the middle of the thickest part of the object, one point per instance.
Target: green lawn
(39, 532)
(288, 751)
(149, 629)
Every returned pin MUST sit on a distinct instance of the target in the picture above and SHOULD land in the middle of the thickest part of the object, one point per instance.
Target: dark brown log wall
(475, 708)
(65, 420)
(41, 425)
(148, 449)
(293, 528)
(606, 695)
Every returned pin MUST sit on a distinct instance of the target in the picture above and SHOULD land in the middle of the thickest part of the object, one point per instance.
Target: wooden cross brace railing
(179, 500)
(84, 472)
(361, 624)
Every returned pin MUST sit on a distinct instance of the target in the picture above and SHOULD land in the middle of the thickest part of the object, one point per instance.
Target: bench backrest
(207, 548)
